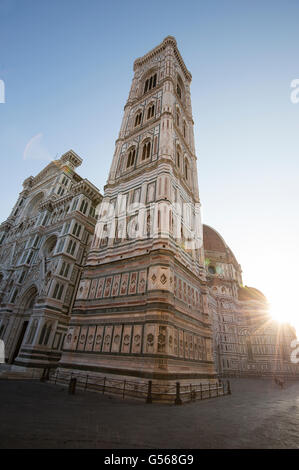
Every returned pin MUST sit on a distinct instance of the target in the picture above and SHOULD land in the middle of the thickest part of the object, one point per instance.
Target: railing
(258, 374)
(176, 393)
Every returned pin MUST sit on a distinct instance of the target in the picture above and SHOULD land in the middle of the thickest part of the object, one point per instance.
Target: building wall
(43, 247)
(127, 294)
(246, 341)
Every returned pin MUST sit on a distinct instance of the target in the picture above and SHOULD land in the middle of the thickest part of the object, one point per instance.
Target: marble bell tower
(141, 310)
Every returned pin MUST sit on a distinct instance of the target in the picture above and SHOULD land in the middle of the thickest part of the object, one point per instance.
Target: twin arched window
(138, 119)
(151, 111)
(146, 150)
(145, 153)
(45, 334)
(83, 207)
(131, 157)
(150, 83)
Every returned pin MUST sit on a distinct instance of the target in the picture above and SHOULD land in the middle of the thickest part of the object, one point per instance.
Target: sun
(284, 309)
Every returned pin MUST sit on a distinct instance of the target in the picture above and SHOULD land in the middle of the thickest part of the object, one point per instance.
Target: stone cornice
(88, 189)
(71, 157)
(169, 40)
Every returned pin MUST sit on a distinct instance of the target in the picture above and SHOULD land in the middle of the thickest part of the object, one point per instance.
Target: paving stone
(40, 415)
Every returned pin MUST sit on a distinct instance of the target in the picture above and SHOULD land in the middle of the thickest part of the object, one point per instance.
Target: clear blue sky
(67, 67)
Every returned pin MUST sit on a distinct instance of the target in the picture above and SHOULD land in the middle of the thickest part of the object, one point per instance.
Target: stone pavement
(257, 415)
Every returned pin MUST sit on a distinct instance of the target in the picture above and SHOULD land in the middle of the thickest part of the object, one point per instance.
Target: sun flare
(284, 310)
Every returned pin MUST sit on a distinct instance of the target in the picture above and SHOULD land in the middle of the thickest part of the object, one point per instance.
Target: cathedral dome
(212, 241)
(250, 293)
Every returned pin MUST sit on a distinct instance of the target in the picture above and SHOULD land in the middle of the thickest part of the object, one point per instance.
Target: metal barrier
(176, 393)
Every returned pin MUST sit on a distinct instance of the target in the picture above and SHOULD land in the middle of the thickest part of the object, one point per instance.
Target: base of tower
(163, 388)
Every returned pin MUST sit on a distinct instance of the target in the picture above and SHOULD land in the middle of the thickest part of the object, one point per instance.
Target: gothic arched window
(150, 111)
(186, 169)
(179, 91)
(146, 150)
(131, 157)
(184, 130)
(150, 83)
(138, 119)
(177, 117)
(178, 157)
(180, 88)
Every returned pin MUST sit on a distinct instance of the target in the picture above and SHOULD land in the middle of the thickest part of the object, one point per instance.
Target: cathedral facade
(132, 284)
(43, 247)
(247, 341)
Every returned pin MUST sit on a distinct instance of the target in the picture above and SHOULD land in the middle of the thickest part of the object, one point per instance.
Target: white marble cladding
(139, 282)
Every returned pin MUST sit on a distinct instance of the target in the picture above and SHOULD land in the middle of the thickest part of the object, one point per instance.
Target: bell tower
(141, 308)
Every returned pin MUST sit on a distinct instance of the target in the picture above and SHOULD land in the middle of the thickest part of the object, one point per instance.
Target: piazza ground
(257, 415)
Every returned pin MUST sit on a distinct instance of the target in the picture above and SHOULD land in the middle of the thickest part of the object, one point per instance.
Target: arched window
(150, 111)
(178, 157)
(150, 83)
(84, 206)
(58, 290)
(148, 225)
(184, 130)
(146, 150)
(155, 144)
(131, 157)
(186, 169)
(138, 119)
(179, 91)
(177, 117)
(180, 88)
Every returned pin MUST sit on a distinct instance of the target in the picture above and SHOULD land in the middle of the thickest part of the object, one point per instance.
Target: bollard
(47, 373)
(149, 398)
(228, 388)
(43, 376)
(72, 386)
(178, 400)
